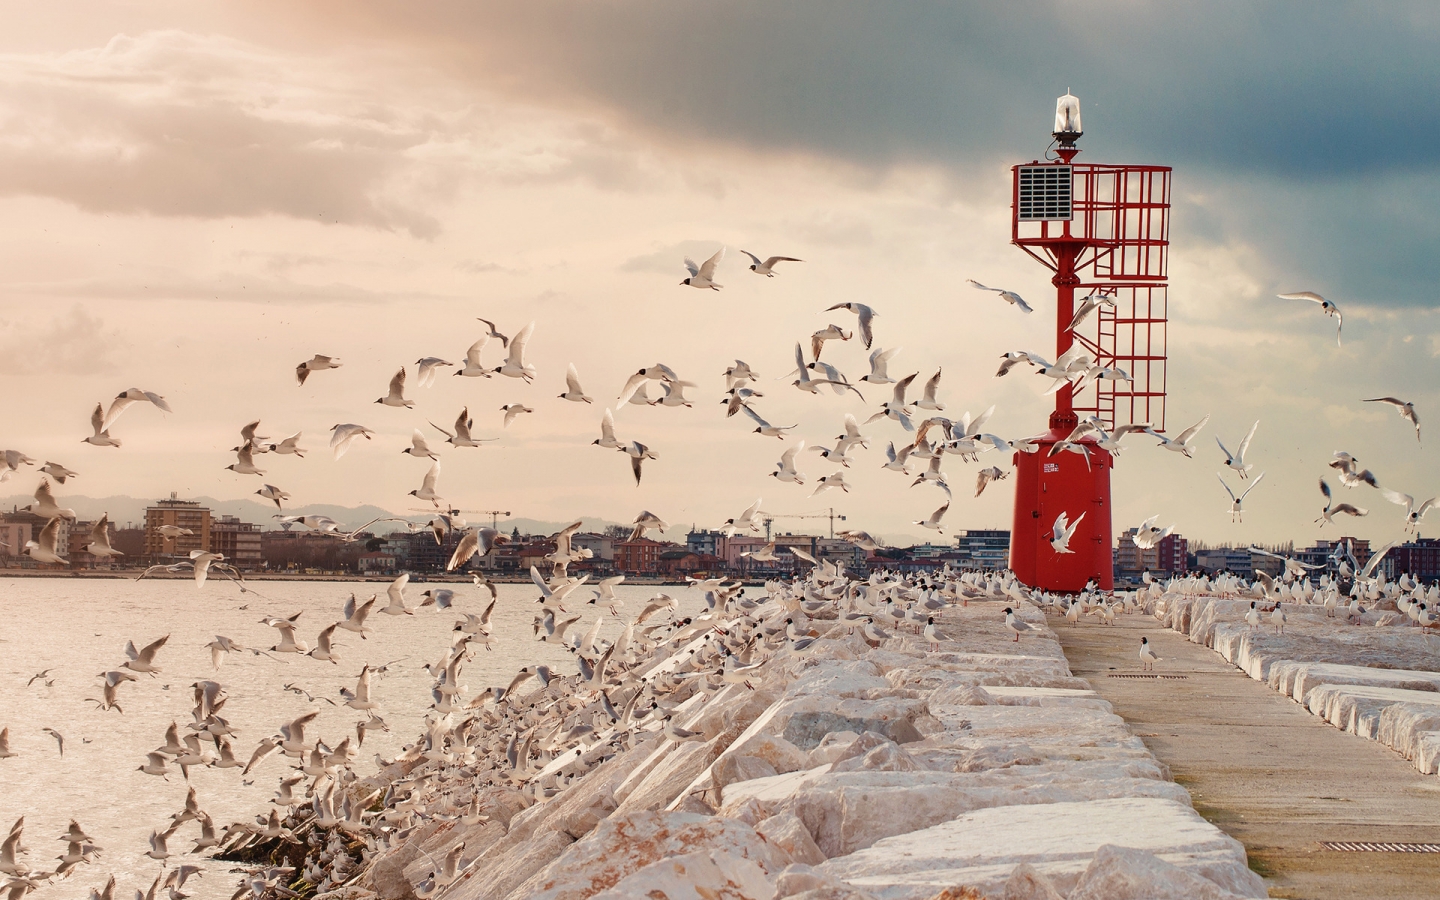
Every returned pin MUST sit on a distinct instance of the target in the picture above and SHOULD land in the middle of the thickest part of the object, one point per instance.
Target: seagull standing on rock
(1015, 625)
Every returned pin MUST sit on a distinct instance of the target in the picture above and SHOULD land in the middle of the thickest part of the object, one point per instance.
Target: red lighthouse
(1104, 231)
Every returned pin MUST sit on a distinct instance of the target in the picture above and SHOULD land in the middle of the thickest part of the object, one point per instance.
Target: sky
(196, 197)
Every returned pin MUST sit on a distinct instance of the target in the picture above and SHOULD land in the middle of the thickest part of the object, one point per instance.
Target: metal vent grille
(1044, 193)
(1147, 675)
(1373, 847)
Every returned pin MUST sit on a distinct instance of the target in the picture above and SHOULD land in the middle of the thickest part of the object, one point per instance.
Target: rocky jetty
(1376, 674)
(835, 760)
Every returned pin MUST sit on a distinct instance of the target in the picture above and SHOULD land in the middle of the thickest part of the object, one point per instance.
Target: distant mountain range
(131, 510)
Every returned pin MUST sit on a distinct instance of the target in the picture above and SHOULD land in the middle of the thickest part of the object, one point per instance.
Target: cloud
(75, 343)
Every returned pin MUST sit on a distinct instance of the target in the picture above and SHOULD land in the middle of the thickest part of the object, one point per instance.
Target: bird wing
(1251, 487)
(428, 485)
(787, 459)
(1398, 498)
(1390, 400)
(472, 356)
(1245, 444)
(690, 265)
(1325, 489)
(517, 345)
(1018, 301)
(117, 406)
(572, 380)
(1225, 486)
(932, 386)
(980, 287)
(632, 384)
(607, 426)
(1193, 430)
(771, 261)
(707, 269)
(901, 387)
(756, 417)
(397, 384)
(1303, 295)
(494, 332)
(756, 259)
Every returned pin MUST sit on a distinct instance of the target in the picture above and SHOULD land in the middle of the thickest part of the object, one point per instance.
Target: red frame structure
(1115, 241)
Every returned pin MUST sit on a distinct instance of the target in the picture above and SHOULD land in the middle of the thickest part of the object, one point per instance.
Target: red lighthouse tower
(1104, 231)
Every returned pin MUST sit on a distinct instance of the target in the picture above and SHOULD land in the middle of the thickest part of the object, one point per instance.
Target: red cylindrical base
(1046, 486)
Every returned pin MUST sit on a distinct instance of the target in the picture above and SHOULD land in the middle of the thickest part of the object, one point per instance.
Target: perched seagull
(1010, 297)
(342, 435)
(573, 392)
(1277, 618)
(828, 333)
(1405, 408)
(1147, 535)
(928, 401)
(428, 368)
(1252, 617)
(1061, 533)
(765, 428)
(315, 364)
(511, 410)
(461, 436)
(1333, 509)
(1330, 309)
(1015, 625)
(100, 539)
(866, 316)
(785, 469)
(767, 268)
(879, 362)
(57, 471)
(1181, 443)
(123, 401)
(245, 462)
(933, 635)
(101, 437)
(607, 433)
(1147, 655)
(986, 476)
(1413, 513)
(1236, 460)
(647, 521)
(1236, 514)
(45, 549)
(638, 453)
(396, 395)
(703, 276)
(515, 365)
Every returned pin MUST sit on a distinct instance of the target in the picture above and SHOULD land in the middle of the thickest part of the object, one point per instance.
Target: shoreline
(439, 577)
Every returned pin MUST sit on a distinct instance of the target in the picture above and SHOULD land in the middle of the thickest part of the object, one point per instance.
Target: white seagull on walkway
(1147, 655)
(1015, 625)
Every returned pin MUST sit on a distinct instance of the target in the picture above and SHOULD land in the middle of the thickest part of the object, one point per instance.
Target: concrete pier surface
(1264, 769)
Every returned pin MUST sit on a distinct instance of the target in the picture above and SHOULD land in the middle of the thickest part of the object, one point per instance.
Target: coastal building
(239, 542)
(1224, 559)
(601, 546)
(1420, 558)
(983, 548)
(705, 541)
(1167, 557)
(19, 526)
(187, 514)
(641, 556)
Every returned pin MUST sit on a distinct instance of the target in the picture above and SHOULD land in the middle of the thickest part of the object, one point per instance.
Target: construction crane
(829, 514)
(494, 514)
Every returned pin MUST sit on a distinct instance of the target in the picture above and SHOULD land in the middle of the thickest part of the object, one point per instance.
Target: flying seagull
(1405, 408)
(1329, 308)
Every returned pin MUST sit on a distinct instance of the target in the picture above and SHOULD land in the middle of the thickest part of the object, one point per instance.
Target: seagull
(1347, 466)
(1147, 535)
(1413, 513)
(703, 276)
(879, 361)
(245, 462)
(1010, 297)
(219, 647)
(143, 660)
(1277, 618)
(935, 517)
(396, 395)
(573, 391)
(607, 432)
(1061, 533)
(828, 333)
(1333, 509)
(342, 435)
(45, 550)
(1236, 460)
(638, 453)
(765, 428)
(985, 476)
(57, 471)
(248, 436)
(899, 460)
(1252, 617)
(826, 482)
(475, 542)
(59, 738)
(473, 367)
(355, 616)
(426, 491)
(493, 333)
(1015, 357)
(764, 554)
(1405, 408)
(895, 408)
(290, 444)
(419, 447)
(461, 436)
(515, 365)
(785, 469)
(933, 635)
(647, 521)
(1015, 625)
(866, 316)
(1181, 443)
(1236, 514)
(173, 531)
(428, 368)
(101, 437)
(1087, 306)
(928, 401)
(674, 394)
(100, 539)
(511, 410)
(749, 519)
(1147, 655)
(1330, 309)
(323, 648)
(315, 364)
(767, 268)
(124, 400)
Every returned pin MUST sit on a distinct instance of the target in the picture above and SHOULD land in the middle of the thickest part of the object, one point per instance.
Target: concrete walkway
(1260, 767)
